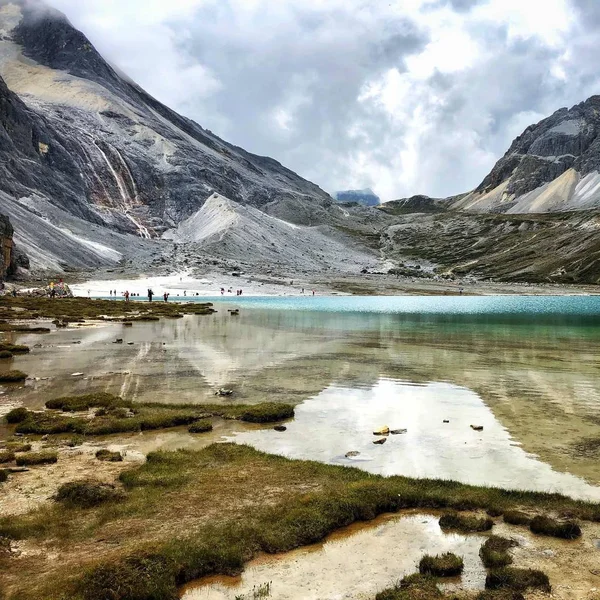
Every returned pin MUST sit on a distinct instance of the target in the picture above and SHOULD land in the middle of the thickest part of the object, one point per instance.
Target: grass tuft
(200, 427)
(412, 587)
(82, 403)
(518, 580)
(18, 446)
(568, 530)
(465, 523)
(17, 415)
(5, 354)
(46, 457)
(6, 456)
(444, 565)
(494, 553)
(516, 517)
(87, 494)
(14, 348)
(12, 377)
(269, 412)
(108, 456)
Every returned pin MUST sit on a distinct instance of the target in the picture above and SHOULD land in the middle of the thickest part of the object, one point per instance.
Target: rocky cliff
(6, 246)
(553, 166)
(81, 141)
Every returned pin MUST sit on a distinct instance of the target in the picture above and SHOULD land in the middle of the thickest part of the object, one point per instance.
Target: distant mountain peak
(366, 197)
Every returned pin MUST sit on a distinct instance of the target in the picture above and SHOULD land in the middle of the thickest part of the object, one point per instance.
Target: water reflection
(525, 380)
(371, 559)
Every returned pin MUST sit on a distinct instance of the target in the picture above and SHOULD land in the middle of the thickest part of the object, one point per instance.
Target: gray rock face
(565, 145)
(6, 245)
(98, 147)
(365, 197)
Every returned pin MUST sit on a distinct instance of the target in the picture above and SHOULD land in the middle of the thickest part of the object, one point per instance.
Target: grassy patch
(5, 355)
(44, 423)
(78, 309)
(108, 456)
(188, 514)
(6, 456)
(18, 446)
(444, 565)
(516, 517)
(22, 328)
(87, 494)
(269, 412)
(81, 403)
(16, 415)
(14, 348)
(3, 477)
(465, 523)
(502, 594)
(518, 580)
(12, 377)
(200, 427)
(494, 553)
(37, 458)
(413, 587)
(567, 530)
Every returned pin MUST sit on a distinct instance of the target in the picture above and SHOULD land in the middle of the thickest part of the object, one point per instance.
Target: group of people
(230, 291)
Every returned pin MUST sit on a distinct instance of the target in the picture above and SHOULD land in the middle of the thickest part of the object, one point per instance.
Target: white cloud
(404, 96)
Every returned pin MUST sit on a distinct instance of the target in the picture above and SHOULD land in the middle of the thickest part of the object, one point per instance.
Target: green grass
(175, 490)
(516, 517)
(18, 446)
(46, 457)
(87, 494)
(16, 415)
(443, 565)
(6, 456)
(12, 377)
(567, 530)
(5, 355)
(494, 553)
(465, 523)
(108, 456)
(112, 417)
(518, 580)
(269, 412)
(14, 348)
(200, 427)
(11, 327)
(82, 403)
(413, 587)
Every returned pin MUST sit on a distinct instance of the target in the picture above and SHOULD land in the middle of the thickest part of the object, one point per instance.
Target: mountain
(365, 197)
(83, 148)
(415, 204)
(223, 228)
(553, 166)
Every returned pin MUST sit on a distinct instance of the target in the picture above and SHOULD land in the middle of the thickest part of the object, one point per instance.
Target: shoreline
(184, 284)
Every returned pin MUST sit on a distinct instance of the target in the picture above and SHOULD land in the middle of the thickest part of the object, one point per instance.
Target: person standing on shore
(150, 294)
(126, 295)
(166, 296)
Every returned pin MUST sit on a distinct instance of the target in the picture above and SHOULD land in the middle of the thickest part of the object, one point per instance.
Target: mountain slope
(243, 233)
(553, 166)
(95, 145)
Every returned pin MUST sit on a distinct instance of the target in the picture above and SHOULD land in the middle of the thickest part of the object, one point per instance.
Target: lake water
(524, 368)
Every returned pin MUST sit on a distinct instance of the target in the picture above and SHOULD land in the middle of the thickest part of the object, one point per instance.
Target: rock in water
(352, 454)
(477, 427)
(382, 431)
(398, 431)
(381, 441)
(280, 428)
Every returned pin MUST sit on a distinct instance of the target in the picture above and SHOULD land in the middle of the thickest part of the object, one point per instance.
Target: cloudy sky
(403, 96)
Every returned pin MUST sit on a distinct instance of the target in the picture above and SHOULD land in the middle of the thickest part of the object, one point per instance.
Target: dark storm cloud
(419, 96)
